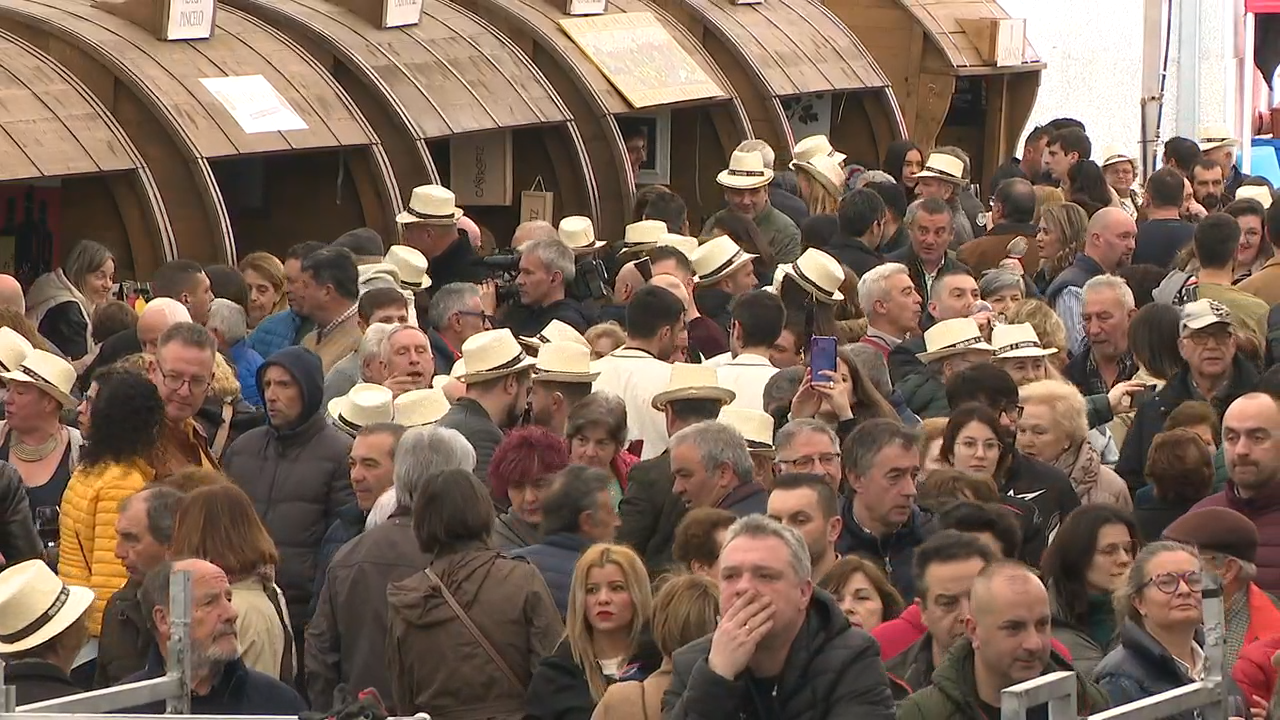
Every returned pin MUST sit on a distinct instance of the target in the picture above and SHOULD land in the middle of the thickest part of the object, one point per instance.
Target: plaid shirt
(1237, 620)
(1094, 384)
(336, 322)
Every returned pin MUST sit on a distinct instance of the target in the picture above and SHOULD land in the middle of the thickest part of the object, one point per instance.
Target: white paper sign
(399, 13)
(587, 7)
(189, 20)
(254, 103)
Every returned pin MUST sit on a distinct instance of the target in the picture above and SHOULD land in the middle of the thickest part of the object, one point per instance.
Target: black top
(1039, 712)
(1160, 241)
(526, 321)
(66, 326)
(789, 205)
(458, 263)
(120, 345)
(48, 494)
(38, 680)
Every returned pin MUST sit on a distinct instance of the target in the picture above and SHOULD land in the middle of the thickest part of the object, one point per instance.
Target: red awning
(1262, 6)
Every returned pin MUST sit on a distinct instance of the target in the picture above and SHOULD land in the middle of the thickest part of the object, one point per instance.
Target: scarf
(1081, 465)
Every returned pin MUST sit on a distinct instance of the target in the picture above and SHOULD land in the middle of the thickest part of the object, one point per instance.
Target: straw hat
(1113, 154)
(48, 372)
(458, 371)
(13, 348)
(746, 171)
(951, 337)
(819, 273)
(35, 606)
(555, 331)
(756, 426)
(1255, 192)
(643, 234)
(718, 257)
(683, 243)
(1018, 340)
(1216, 135)
(365, 404)
(492, 354)
(693, 382)
(416, 408)
(564, 362)
(826, 171)
(944, 167)
(410, 265)
(815, 146)
(431, 204)
(579, 234)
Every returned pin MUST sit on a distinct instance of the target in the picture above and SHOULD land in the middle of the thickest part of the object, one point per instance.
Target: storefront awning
(50, 124)
(182, 82)
(452, 73)
(945, 21)
(793, 46)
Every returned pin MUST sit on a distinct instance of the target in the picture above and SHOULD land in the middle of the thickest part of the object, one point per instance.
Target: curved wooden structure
(52, 127)
(451, 74)
(704, 132)
(950, 89)
(789, 49)
(188, 138)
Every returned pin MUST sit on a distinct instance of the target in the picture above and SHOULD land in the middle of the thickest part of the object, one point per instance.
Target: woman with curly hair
(1048, 326)
(126, 414)
(1059, 240)
(520, 473)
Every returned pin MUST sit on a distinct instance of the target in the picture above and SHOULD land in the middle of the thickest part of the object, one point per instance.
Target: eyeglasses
(484, 316)
(1128, 548)
(1168, 583)
(808, 462)
(1013, 410)
(1200, 339)
(174, 381)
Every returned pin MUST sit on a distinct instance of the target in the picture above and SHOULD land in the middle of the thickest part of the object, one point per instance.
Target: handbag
(475, 632)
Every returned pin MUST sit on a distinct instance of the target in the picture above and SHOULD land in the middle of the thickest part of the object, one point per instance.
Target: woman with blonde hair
(1046, 195)
(1048, 327)
(604, 338)
(821, 184)
(218, 523)
(1053, 429)
(932, 429)
(610, 606)
(264, 274)
(61, 303)
(1060, 239)
(685, 609)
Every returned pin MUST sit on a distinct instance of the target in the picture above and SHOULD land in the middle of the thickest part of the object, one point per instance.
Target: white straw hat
(718, 257)
(492, 354)
(683, 243)
(411, 265)
(826, 171)
(365, 404)
(746, 171)
(693, 382)
(48, 372)
(416, 408)
(1018, 340)
(1113, 154)
(13, 349)
(643, 233)
(819, 273)
(35, 606)
(579, 234)
(564, 362)
(951, 337)
(555, 331)
(812, 147)
(944, 167)
(1255, 192)
(431, 204)
(756, 426)
(1216, 135)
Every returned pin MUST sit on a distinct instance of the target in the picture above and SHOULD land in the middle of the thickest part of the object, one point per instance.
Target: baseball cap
(1203, 313)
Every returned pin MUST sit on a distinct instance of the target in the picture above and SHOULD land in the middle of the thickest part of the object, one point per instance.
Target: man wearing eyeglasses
(182, 371)
(809, 446)
(1212, 371)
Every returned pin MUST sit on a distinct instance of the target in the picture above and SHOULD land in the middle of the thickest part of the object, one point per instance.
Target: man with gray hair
(771, 621)
(229, 325)
(346, 640)
(367, 365)
(455, 314)
(547, 267)
(928, 257)
(712, 467)
(889, 298)
(406, 359)
(1103, 359)
(806, 445)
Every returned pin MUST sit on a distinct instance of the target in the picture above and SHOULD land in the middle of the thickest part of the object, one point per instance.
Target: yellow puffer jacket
(87, 530)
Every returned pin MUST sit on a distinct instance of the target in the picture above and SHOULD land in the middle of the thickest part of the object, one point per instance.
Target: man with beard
(406, 360)
(561, 378)
(1208, 185)
(1251, 444)
(1108, 246)
(221, 684)
(808, 503)
(1007, 641)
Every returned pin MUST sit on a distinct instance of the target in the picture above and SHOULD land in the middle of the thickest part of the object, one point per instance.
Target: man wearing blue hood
(294, 470)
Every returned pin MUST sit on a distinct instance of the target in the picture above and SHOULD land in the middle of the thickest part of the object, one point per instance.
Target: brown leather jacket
(509, 604)
(982, 254)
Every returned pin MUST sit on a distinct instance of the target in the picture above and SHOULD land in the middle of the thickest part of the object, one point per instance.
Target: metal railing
(1059, 688)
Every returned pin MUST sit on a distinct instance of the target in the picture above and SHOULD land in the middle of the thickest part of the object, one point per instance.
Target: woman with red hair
(520, 472)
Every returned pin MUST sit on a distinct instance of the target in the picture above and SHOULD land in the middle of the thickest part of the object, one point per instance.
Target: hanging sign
(401, 13)
(480, 168)
(586, 7)
(254, 103)
(187, 19)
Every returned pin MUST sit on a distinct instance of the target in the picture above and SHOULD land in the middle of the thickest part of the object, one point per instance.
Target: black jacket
(555, 557)
(558, 689)
(18, 538)
(907, 256)
(1082, 270)
(832, 672)
(790, 205)
(64, 325)
(527, 321)
(912, 669)
(894, 553)
(458, 263)
(749, 498)
(715, 304)
(1044, 485)
(471, 419)
(126, 641)
(1151, 415)
(120, 345)
(240, 691)
(38, 680)
(650, 512)
(903, 362)
(345, 528)
(854, 254)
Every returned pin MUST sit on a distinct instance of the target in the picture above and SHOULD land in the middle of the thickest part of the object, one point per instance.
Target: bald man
(11, 294)
(1007, 641)
(156, 317)
(532, 230)
(1108, 246)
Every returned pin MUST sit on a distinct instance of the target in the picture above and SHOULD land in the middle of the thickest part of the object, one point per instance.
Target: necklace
(35, 453)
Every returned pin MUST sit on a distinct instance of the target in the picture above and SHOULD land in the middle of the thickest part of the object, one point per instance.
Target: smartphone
(822, 357)
(1137, 399)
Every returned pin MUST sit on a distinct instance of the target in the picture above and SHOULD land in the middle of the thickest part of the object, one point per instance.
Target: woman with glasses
(1162, 605)
(971, 442)
(1053, 430)
(1087, 562)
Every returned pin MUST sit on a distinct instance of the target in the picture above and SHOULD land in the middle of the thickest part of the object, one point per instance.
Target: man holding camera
(547, 266)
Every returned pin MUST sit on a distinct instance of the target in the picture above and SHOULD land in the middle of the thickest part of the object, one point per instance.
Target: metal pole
(1152, 73)
(8, 693)
(179, 661)
(1244, 159)
(1188, 68)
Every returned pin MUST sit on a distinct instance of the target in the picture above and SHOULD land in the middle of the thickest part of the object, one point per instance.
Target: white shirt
(746, 376)
(636, 376)
(718, 361)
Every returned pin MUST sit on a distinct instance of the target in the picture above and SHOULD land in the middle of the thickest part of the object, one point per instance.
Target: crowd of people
(865, 447)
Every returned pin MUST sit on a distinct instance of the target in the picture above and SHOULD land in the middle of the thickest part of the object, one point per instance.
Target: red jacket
(898, 634)
(1253, 670)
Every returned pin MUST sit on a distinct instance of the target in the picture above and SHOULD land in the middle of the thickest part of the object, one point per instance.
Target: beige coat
(1264, 283)
(1093, 481)
(263, 640)
(634, 700)
(339, 343)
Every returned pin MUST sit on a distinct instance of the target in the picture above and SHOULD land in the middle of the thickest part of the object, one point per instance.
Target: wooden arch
(153, 88)
(594, 101)
(451, 74)
(786, 48)
(51, 126)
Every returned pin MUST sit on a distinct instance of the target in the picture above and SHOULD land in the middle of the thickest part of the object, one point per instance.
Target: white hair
(171, 310)
(1115, 284)
(874, 176)
(553, 254)
(228, 319)
(759, 146)
(761, 526)
(425, 451)
(452, 298)
(874, 283)
(371, 343)
(384, 348)
(382, 509)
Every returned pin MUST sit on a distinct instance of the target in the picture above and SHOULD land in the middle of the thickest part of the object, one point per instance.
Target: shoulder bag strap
(224, 430)
(286, 657)
(475, 632)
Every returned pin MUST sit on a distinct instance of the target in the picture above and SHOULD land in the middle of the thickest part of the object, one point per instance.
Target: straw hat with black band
(13, 349)
(1216, 135)
(48, 372)
(579, 234)
(1113, 154)
(1018, 340)
(417, 408)
(952, 337)
(746, 171)
(826, 172)
(717, 258)
(35, 606)
(564, 362)
(692, 382)
(493, 354)
(432, 205)
(365, 404)
(812, 147)
(555, 331)
(410, 265)
(944, 167)
(756, 426)
(819, 273)
(639, 237)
